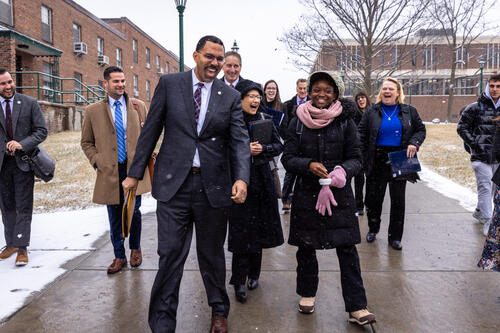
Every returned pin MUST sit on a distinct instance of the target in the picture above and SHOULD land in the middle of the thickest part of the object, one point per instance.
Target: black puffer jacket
(335, 144)
(477, 128)
(412, 127)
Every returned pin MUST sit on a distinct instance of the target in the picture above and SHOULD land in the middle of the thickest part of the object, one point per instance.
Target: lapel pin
(219, 92)
(18, 102)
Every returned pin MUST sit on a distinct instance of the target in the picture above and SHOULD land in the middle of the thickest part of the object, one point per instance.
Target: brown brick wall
(430, 107)
(7, 54)
(27, 20)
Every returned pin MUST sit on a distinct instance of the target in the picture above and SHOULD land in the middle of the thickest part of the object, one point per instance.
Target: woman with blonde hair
(387, 126)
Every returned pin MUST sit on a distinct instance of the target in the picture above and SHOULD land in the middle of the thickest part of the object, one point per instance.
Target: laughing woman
(255, 224)
(387, 126)
(322, 149)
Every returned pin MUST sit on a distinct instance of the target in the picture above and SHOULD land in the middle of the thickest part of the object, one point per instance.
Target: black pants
(175, 229)
(359, 183)
(287, 192)
(245, 265)
(350, 276)
(115, 220)
(376, 184)
(16, 202)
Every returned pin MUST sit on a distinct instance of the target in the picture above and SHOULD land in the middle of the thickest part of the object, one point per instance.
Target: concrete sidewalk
(433, 285)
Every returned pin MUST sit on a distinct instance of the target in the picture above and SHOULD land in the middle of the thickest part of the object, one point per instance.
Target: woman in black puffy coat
(255, 224)
(322, 145)
(388, 126)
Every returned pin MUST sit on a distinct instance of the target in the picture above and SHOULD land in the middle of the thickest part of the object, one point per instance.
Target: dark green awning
(29, 45)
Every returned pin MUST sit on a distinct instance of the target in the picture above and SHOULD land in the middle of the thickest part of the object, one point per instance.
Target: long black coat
(335, 144)
(413, 133)
(256, 224)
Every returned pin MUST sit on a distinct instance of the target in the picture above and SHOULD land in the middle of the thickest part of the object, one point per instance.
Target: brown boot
(117, 265)
(22, 257)
(7, 252)
(135, 258)
(219, 324)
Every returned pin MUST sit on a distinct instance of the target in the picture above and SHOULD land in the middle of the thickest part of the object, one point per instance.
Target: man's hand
(255, 148)
(13, 146)
(129, 183)
(318, 169)
(239, 191)
(411, 151)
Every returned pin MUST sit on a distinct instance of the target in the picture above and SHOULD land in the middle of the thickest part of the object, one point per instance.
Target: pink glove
(338, 177)
(325, 197)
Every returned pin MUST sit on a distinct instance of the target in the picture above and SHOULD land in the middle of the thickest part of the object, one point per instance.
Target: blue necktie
(120, 137)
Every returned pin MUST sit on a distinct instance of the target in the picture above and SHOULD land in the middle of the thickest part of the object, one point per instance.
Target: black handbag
(41, 164)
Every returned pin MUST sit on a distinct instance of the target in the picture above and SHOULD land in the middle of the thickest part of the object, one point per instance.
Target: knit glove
(338, 177)
(325, 197)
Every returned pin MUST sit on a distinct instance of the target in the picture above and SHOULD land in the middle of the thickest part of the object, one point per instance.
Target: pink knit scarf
(315, 118)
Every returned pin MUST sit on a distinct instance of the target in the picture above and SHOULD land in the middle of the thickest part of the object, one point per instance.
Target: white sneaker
(486, 228)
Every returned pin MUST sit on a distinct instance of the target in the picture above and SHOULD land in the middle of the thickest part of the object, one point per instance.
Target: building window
(414, 57)
(134, 49)
(78, 87)
(492, 55)
(77, 33)
(47, 24)
(100, 46)
(381, 59)
(395, 55)
(462, 57)
(148, 91)
(136, 86)
(175, 69)
(148, 58)
(6, 12)
(47, 79)
(158, 66)
(167, 68)
(119, 57)
(428, 57)
(100, 83)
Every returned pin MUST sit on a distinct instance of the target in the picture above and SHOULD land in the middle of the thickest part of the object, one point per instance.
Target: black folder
(276, 114)
(402, 165)
(261, 131)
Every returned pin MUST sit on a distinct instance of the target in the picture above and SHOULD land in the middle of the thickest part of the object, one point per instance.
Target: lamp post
(481, 67)
(235, 47)
(181, 5)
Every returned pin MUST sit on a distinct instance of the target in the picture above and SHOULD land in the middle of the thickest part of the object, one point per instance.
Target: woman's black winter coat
(335, 144)
(256, 223)
(413, 133)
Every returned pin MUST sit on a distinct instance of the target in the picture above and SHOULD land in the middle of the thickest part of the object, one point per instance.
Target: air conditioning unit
(80, 48)
(102, 60)
(148, 66)
(159, 70)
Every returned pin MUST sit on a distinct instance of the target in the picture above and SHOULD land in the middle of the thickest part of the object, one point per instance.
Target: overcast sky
(255, 25)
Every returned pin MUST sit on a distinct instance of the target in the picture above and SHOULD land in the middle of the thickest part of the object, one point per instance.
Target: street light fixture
(181, 5)
(481, 67)
(235, 47)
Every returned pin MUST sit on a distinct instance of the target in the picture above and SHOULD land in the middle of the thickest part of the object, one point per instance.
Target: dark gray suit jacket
(223, 143)
(28, 125)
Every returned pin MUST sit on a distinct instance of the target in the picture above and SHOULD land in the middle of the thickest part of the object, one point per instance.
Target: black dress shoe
(241, 293)
(370, 237)
(396, 245)
(252, 284)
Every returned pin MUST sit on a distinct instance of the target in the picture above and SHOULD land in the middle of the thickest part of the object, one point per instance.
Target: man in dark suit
(204, 150)
(22, 128)
(232, 68)
(290, 108)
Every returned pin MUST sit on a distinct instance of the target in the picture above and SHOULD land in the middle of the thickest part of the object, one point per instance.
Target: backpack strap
(299, 128)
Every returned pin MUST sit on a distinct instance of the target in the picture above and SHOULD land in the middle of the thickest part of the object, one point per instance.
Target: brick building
(63, 40)
(423, 69)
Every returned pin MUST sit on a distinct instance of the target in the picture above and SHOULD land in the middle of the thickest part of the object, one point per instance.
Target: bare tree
(462, 22)
(372, 26)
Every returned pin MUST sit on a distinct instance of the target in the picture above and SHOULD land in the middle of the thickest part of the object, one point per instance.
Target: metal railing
(55, 89)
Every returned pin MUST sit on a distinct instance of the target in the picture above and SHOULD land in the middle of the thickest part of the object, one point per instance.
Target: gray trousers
(485, 187)
(16, 202)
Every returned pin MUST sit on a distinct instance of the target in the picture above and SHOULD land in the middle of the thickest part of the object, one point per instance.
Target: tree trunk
(451, 92)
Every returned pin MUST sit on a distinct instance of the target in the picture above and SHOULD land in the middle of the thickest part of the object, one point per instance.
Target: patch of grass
(444, 153)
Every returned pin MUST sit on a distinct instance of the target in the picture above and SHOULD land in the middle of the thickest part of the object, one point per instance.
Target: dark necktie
(8, 120)
(231, 85)
(197, 100)
(301, 101)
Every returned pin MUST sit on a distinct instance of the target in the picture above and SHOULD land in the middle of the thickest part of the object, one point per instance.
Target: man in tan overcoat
(110, 132)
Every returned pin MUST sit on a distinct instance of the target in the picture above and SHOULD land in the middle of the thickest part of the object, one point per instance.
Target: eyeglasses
(254, 96)
(211, 57)
(493, 86)
(360, 98)
(270, 88)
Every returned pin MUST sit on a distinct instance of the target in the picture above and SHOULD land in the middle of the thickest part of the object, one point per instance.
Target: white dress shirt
(123, 107)
(205, 99)
(233, 83)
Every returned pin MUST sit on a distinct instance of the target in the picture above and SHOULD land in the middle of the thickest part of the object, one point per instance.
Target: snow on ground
(56, 238)
(59, 237)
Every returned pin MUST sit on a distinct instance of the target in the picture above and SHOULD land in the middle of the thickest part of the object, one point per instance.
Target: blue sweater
(390, 130)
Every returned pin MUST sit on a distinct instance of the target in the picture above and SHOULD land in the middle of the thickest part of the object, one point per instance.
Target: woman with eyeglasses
(272, 100)
(255, 224)
(388, 126)
(322, 149)
(362, 102)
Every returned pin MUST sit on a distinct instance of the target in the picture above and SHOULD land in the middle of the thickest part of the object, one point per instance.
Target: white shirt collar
(207, 85)
(111, 101)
